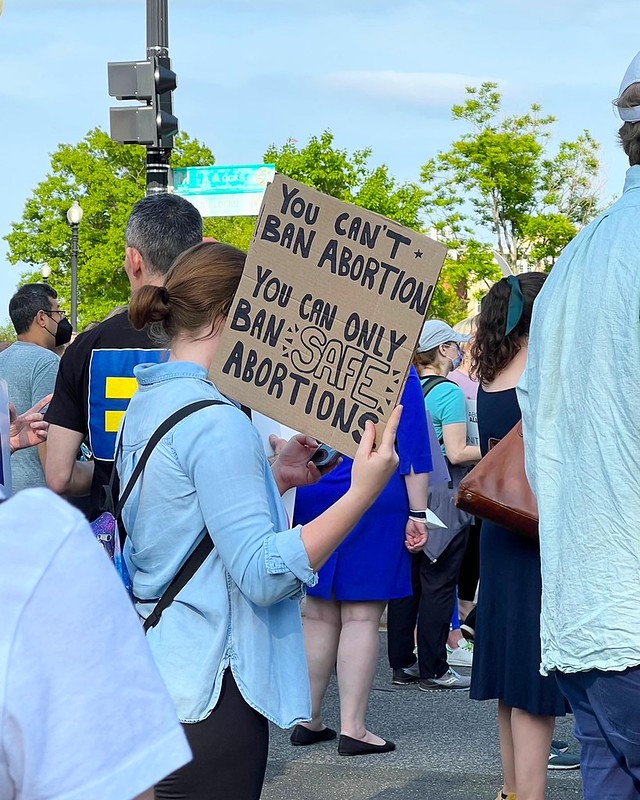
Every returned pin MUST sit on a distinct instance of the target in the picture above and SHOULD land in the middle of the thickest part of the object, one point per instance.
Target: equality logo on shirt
(112, 384)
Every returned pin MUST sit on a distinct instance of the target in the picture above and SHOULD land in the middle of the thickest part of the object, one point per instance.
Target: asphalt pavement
(447, 749)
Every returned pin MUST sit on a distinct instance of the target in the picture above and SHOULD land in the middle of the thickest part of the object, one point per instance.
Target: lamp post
(74, 217)
(46, 269)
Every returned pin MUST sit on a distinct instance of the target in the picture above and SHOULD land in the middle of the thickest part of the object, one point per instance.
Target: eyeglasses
(48, 312)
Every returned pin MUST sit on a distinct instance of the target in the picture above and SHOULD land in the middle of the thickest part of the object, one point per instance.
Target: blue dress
(506, 658)
(373, 563)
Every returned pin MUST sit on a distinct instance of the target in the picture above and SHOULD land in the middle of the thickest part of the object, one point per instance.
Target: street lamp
(74, 217)
(46, 268)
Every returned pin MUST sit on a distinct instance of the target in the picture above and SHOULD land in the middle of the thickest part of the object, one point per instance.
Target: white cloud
(426, 90)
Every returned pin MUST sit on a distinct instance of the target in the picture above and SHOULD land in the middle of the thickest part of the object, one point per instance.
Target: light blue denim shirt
(242, 608)
(580, 404)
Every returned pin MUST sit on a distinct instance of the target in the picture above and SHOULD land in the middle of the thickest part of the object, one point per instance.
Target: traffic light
(151, 82)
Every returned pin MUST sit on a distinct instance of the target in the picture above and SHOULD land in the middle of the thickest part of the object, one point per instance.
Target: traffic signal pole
(159, 157)
(150, 83)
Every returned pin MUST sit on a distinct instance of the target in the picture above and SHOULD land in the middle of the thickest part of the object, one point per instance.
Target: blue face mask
(457, 361)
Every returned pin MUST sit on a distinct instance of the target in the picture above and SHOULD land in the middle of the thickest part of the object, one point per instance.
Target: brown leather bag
(497, 488)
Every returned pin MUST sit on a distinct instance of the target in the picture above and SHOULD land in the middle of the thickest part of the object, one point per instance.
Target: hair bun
(148, 305)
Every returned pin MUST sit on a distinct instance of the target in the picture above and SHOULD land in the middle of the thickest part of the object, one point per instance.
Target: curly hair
(491, 350)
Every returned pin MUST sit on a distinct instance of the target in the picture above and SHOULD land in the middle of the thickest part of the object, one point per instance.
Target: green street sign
(228, 191)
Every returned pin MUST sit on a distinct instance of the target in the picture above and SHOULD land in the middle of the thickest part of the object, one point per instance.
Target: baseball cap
(631, 76)
(436, 332)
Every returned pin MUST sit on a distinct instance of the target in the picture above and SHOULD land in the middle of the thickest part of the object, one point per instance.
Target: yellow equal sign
(117, 389)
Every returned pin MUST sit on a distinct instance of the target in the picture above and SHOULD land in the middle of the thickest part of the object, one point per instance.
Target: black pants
(229, 753)
(430, 607)
(470, 569)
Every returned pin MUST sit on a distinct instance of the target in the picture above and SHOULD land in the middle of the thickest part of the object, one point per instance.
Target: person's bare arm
(455, 444)
(148, 795)
(370, 474)
(64, 474)
(42, 453)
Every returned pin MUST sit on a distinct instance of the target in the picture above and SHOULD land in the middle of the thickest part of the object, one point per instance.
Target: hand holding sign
(372, 468)
(323, 325)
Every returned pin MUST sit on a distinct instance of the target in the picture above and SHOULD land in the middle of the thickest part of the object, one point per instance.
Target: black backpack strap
(182, 578)
(204, 547)
(161, 431)
(430, 382)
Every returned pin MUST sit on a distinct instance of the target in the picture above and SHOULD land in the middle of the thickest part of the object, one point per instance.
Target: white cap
(436, 332)
(631, 76)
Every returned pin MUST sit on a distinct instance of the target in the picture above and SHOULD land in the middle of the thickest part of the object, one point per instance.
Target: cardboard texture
(329, 308)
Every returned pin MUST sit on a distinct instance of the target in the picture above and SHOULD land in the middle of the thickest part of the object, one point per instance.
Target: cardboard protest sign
(5, 444)
(327, 314)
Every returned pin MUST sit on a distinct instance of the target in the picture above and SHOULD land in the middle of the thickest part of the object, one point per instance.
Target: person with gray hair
(96, 381)
(30, 366)
(580, 410)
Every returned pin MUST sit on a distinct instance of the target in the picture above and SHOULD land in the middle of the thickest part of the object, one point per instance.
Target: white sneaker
(460, 656)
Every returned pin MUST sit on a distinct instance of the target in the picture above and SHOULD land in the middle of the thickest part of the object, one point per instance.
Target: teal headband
(516, 304)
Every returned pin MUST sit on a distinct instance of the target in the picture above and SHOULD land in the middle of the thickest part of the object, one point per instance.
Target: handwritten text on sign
(327, 314)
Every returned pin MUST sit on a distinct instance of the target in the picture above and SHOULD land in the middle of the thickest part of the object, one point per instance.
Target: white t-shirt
(83, 710)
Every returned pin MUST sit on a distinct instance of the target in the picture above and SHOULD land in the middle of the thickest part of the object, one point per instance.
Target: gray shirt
(30, 372)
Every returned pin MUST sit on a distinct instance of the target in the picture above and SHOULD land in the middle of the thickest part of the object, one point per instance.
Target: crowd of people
(99, 709)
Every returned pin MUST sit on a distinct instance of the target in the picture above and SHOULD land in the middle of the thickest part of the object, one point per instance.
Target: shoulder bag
(497, 488)
(442, 495)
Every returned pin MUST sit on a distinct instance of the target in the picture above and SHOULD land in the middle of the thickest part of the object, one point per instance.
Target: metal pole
(74, 276)
(157, 28)
(158, 158)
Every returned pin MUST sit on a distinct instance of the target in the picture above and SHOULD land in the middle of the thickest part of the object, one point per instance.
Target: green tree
(7, 332)
(349, 177)
(106, 178)
(468, 273)
(498, 182)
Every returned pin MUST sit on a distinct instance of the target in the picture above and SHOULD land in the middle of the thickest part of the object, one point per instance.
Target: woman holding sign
(230, 646)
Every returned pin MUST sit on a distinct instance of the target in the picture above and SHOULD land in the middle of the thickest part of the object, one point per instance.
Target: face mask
(63, 332)
(457, 361)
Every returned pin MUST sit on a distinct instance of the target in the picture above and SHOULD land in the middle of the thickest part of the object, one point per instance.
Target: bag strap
(431, 381)
(198, 556)
(181, 579)
(161, 431)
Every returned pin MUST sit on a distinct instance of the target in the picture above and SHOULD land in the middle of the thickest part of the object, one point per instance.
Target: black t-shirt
(94, 385)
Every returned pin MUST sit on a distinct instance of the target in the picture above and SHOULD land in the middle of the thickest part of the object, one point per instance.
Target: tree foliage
(496, 188)
(7, 332)
(107, 179)
(498, 185)
(349, 177)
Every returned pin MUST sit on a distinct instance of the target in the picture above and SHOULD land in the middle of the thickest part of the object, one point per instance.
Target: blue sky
(252, 72)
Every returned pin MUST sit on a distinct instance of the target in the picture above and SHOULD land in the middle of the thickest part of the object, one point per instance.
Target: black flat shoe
(302, 736)
(354, 747)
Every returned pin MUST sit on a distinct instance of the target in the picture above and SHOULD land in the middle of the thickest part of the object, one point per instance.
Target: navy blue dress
(506, 659)
(373, 563)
